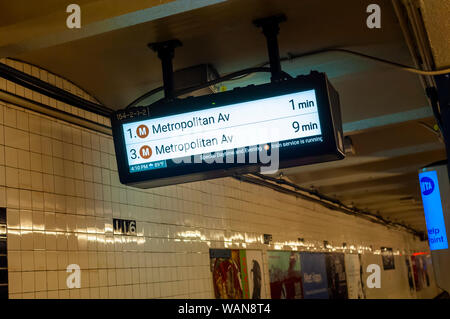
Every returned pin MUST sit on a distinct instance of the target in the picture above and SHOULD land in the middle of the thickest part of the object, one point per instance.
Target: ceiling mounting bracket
(166, 52)
(270, 28)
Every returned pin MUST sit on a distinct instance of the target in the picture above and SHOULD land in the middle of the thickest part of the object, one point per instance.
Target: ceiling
(382, 106)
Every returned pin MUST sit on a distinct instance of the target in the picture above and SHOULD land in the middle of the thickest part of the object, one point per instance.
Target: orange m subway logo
(145, 152)
(142, 131)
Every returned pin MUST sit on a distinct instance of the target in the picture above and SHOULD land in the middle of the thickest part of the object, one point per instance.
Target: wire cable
(227, 77)
(432, 130)
(146, 95)
(40, 86)
(432, 95)
(403, 67)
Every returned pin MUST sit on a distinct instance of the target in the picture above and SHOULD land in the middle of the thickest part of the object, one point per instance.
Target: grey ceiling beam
(373, 183)
(422, 113)
(397, 165)
(57, 33)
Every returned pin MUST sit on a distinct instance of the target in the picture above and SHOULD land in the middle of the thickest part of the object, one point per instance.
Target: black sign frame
(331, 148)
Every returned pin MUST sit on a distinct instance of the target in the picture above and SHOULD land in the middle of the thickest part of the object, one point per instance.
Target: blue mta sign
(427, 185)
(434, 217)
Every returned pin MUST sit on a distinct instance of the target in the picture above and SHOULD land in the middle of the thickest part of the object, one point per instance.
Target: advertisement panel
(337, 282)
(226, 273)
(256, 277)
(285, 275)
(314, 275)
(353, 274)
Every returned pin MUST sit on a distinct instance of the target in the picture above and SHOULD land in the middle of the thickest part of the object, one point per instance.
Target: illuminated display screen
(432, 205)
(295, 122)
(288, 117)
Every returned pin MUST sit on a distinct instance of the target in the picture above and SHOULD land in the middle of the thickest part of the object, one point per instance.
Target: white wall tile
(11, 157)
(17, 138)
(14, 282)
(10, 117)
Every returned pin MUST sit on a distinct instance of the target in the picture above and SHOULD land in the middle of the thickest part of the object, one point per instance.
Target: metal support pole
(166, 52)
(270, 28)
(443, 96)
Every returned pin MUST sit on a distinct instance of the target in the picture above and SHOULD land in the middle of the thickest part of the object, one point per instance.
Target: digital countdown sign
(290, 123)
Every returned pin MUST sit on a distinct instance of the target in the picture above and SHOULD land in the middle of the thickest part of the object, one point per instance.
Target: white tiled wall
(60, 185)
